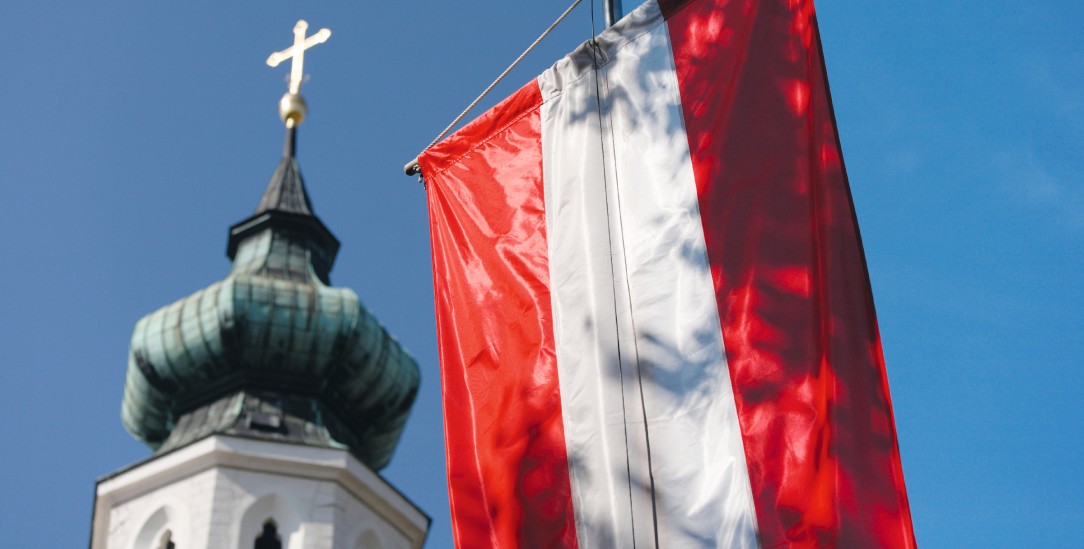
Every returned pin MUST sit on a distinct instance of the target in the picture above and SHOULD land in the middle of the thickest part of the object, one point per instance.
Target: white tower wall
(218, 493)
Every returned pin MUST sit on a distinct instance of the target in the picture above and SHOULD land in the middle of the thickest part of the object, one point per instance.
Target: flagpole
(612, 11)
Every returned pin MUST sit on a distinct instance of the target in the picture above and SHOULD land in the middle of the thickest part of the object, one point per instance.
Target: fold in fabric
(654, 317)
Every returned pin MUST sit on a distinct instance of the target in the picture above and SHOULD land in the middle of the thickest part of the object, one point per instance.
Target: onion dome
(272, 351)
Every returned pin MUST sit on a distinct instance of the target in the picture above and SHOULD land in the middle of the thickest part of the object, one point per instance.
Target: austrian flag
(655, 323)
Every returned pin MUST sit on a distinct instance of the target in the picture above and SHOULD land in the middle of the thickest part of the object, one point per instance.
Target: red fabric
(508, 477)
(790, 277)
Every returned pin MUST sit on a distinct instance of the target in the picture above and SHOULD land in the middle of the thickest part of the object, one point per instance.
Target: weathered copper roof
(273, 331)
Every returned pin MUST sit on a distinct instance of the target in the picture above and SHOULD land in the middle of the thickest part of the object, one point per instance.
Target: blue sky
(135, 133)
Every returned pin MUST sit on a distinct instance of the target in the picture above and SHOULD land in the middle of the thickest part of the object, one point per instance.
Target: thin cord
(632, 320)
(412, 167)
(593, 33)
(505, 73)
(617, 327)
(613, 274)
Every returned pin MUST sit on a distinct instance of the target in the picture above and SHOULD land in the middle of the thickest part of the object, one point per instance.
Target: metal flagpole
(612, 10)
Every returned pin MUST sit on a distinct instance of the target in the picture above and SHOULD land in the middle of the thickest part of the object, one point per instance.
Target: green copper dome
(272, 351)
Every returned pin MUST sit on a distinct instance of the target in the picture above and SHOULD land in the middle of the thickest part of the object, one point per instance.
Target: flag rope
(600, 86)
(617, 326)
(412, 167)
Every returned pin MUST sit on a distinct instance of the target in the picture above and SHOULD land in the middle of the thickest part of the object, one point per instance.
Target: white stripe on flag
(642, 211)
(585, 333)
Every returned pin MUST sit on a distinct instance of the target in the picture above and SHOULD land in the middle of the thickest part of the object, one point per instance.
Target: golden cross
(297, 52)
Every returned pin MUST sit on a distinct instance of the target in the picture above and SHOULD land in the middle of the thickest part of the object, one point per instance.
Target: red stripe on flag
(508, 476)
(791, 283)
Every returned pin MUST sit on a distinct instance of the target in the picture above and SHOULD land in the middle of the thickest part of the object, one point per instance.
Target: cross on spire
(297, 52)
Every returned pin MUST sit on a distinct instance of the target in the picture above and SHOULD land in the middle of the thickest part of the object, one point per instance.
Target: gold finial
(292, 107)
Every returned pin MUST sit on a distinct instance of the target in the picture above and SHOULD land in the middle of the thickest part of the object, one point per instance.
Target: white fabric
(626, 243)
(582, 294)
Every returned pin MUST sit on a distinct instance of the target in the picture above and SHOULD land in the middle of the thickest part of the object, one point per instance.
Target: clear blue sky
(135, 133)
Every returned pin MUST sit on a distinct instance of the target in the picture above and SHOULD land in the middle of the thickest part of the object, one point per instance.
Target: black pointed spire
(285, 208)
(286, 191)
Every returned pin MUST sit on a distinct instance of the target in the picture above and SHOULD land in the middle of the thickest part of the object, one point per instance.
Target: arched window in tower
(166, 542)
(269, 538)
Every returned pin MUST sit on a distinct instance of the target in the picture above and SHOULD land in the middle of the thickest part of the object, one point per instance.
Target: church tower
(270, 398)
